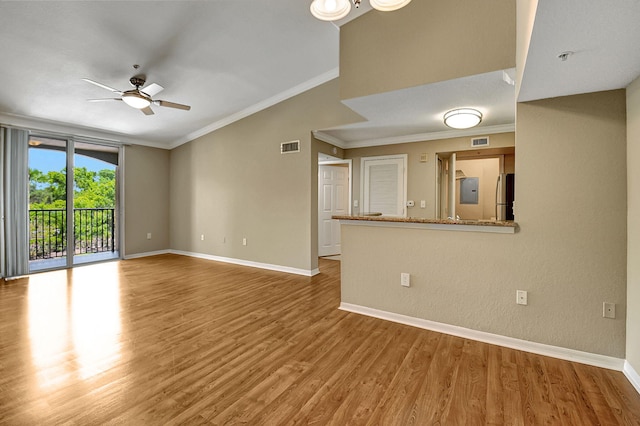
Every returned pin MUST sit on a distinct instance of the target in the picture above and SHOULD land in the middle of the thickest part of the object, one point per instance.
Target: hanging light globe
(330, 10)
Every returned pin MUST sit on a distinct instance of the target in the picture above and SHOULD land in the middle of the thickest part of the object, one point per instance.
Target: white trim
(146, 254)
(494, 339)
(491, 229)
(280, 97)
(242, 262)
(419, 137)
(322, 136)
(632, 375)
(65, 130)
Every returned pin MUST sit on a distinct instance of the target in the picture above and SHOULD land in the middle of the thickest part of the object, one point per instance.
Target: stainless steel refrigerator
(505, 191)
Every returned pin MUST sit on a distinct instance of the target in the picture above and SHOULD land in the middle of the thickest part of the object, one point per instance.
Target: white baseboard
(146, 254)
(242, 262)
(632, 375)
(495, 339)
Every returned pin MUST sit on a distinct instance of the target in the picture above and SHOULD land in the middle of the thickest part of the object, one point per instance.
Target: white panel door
(333, 199)
(384, 185)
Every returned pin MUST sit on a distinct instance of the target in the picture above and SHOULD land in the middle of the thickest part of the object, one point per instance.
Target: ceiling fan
(138, 98)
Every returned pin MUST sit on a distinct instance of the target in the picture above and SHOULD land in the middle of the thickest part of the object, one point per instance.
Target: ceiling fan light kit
(332, 10)
(139, 98)
(136, 100)
(462, 118)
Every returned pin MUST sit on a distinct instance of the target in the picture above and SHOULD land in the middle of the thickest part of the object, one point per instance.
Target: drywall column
(633, 231)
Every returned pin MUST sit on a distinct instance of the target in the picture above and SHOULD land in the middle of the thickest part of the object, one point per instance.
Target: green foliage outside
(91, 189)
(93, 229)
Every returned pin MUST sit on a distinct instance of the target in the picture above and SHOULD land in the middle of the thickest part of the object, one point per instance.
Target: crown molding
(296, 90)
(421, 137)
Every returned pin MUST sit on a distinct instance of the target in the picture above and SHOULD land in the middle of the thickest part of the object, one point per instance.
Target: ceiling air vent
(478, 142)
(289, 147)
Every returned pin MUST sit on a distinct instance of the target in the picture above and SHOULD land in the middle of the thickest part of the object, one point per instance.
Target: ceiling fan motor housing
(137, 81)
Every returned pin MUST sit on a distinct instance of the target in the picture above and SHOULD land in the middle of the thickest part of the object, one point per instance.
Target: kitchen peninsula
(503, 227)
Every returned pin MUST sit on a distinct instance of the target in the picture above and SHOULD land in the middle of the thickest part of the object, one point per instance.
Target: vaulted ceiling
(230, 58)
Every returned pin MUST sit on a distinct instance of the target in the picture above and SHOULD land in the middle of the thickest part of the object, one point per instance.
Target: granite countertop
(378, 218)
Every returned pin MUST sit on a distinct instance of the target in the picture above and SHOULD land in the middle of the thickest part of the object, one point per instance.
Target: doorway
(73, 202)
(334, 195)
(466, 182)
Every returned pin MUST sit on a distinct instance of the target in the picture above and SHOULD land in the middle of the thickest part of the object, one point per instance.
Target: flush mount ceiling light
(462, 118)
(332, 10)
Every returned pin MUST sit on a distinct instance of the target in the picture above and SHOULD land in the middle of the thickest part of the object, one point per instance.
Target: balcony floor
(78, 259)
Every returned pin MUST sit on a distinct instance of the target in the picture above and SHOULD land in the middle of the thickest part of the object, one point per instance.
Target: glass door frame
(70, 142)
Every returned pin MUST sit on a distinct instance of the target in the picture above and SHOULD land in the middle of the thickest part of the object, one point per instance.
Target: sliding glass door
(73, 216)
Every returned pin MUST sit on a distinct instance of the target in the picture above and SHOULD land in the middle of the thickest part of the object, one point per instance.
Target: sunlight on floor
(74, 323)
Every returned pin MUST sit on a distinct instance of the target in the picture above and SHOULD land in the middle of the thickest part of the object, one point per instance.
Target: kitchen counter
(371, 219)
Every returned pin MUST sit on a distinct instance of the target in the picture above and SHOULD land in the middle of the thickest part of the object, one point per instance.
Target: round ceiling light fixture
(135, 99)
(388, 5)
(462, 118)
(330, 10)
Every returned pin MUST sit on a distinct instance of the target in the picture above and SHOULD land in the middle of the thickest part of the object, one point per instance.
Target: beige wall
(421, 177)
(569, 254)
(383, 51)
(146, 179)
(233, 183)
(633, 224)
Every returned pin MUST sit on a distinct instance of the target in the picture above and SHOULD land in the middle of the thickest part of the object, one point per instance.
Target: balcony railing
(94, 232)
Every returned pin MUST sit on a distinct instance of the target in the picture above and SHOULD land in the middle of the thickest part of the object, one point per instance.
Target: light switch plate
(405, 279)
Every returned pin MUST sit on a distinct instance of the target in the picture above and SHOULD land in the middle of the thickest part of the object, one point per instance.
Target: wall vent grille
(289, 147)
(478, 142)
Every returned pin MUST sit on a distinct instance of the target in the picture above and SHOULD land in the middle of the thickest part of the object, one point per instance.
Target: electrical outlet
(609, 310)
(148, 235)
(423, 204)
(355, 203)
(521, 297)
(405, 279)
(201, 237)
(244, 241)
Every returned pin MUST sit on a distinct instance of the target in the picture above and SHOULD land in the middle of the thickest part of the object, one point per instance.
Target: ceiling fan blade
(147, 111)
(103, 86)
(172, 105)
(152, 89)
(104, 99)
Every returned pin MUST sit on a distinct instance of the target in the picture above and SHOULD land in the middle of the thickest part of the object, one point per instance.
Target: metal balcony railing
(94, 232)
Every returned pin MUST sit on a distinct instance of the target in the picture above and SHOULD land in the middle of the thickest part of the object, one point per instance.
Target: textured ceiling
(230, 58)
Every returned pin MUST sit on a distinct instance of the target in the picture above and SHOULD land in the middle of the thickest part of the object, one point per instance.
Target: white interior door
(333, 199)
(384, 188)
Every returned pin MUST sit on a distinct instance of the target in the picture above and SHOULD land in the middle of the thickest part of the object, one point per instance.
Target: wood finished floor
(173, 340)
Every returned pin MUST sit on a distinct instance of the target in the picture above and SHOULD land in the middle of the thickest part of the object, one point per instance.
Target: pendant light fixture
(332, 10)
(388, 5)
(462, 118)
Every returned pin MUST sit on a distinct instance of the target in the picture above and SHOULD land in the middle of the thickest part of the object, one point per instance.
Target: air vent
(289, 147)
(478, 142)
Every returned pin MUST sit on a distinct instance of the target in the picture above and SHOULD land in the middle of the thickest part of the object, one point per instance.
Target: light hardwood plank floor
(171, 340)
